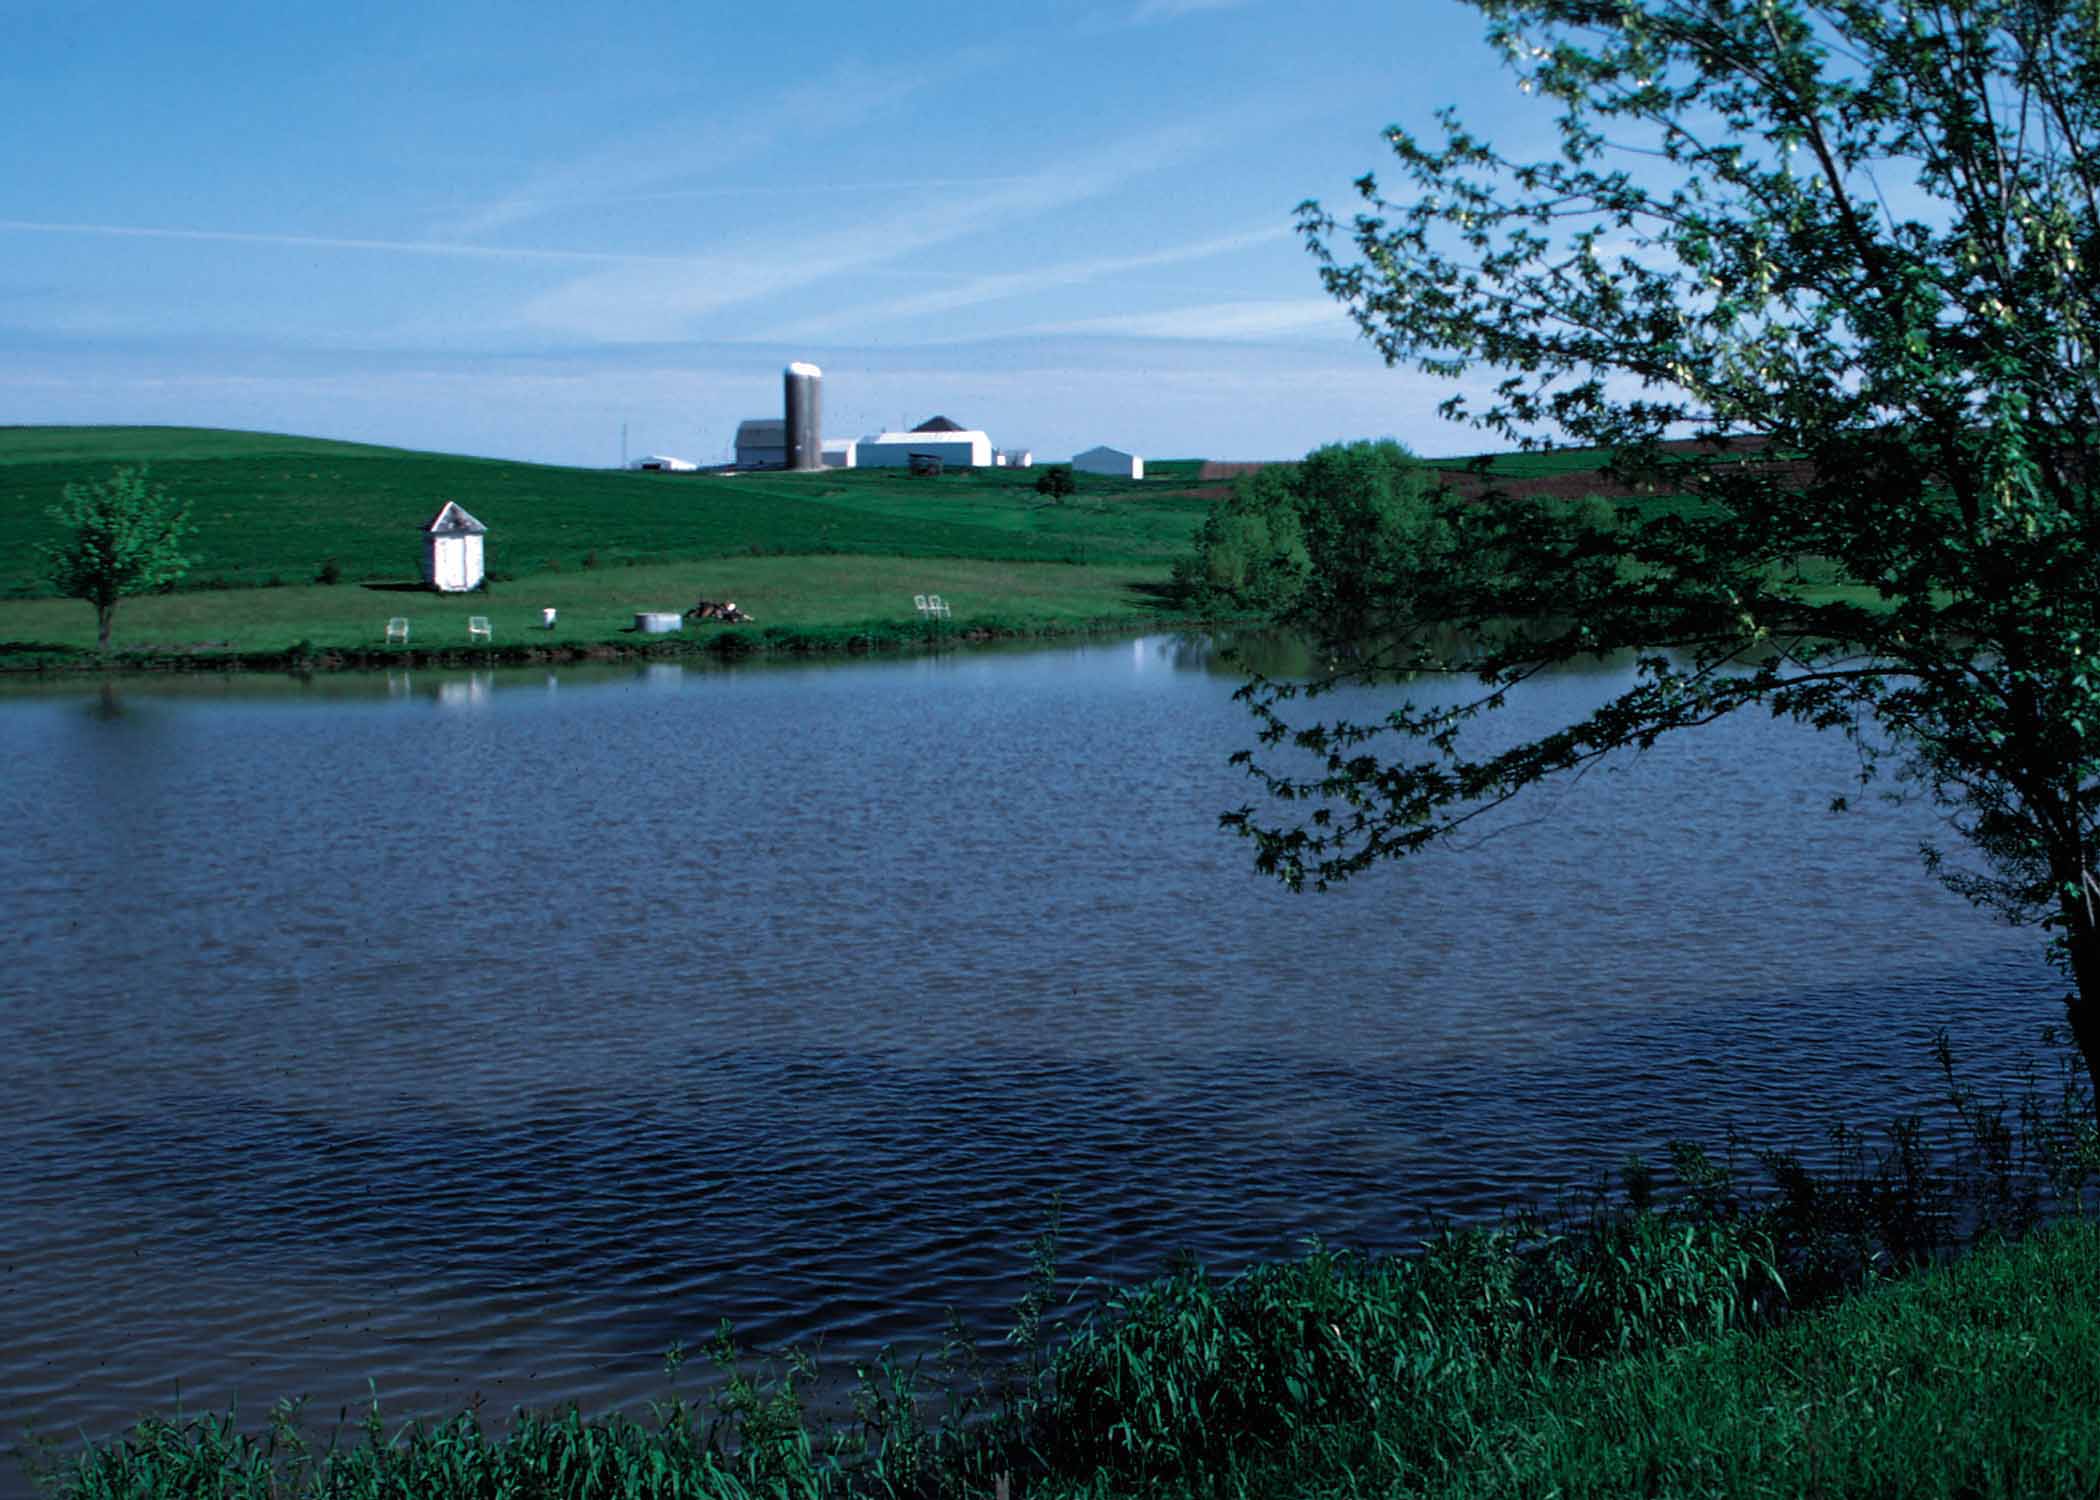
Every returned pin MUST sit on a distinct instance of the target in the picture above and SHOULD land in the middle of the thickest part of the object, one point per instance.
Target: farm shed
(840, 453)
(452, 550)
(664, 463)
(956, 446)
(762, 443)
(1107, 460)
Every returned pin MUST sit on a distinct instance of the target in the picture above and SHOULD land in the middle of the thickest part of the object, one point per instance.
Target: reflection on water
(345, 1034)
(463, 691)
(1270, 652)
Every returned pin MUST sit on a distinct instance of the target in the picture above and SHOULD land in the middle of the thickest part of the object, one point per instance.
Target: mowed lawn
(822, 593)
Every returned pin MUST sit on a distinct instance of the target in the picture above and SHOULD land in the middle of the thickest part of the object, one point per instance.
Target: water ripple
(489, 1053)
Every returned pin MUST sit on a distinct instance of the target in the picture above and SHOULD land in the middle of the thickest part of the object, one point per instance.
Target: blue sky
(509, 229)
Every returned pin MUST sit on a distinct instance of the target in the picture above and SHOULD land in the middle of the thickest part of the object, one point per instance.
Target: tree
(122, 537)
(1056, 482)
(1250, 550)
(1354, 523)
(1849, 255)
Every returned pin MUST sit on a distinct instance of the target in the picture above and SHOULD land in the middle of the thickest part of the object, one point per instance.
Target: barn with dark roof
(956, 446)
(762, 443)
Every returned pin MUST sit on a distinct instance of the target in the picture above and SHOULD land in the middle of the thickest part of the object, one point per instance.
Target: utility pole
(623, 445)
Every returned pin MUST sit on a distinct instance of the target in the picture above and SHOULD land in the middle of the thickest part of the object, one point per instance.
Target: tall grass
(1747, 1321)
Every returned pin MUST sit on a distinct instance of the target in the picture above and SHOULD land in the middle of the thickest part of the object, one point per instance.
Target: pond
(481, 1034)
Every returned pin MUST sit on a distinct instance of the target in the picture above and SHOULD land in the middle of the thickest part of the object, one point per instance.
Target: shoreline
(1653, 1338)
(55, 660)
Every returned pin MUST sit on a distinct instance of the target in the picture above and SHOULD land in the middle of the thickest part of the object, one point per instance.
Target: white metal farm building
(956, 446)
(1109, 461)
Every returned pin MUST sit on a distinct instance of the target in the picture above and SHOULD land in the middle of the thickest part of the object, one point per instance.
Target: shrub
(1056, 482)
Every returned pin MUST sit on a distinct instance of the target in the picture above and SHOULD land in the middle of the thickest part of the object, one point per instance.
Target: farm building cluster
(794, 440)
(454, 551)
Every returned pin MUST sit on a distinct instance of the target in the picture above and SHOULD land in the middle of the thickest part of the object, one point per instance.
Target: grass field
(832, 552)
(280, 507)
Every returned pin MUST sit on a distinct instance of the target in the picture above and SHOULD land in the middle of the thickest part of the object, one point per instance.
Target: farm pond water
(479, 1034)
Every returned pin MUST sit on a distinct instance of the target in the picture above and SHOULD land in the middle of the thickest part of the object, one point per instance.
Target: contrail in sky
(322, 242)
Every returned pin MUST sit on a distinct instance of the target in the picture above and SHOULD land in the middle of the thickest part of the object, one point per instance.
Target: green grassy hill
(274, 507)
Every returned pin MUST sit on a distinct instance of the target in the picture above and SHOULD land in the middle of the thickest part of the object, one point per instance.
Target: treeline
(1361, 533)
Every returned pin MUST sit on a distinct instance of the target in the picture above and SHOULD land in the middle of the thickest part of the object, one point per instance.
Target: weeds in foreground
(1648, 1339)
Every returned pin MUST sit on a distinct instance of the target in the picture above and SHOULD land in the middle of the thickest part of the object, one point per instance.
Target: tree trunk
(2083, 1007)
(105, 616)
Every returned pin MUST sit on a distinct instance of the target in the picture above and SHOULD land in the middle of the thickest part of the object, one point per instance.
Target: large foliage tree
(1854, 250)
(1351, 525)
(122, 536)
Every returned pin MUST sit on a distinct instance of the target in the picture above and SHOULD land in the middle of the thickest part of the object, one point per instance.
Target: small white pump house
(452, 550)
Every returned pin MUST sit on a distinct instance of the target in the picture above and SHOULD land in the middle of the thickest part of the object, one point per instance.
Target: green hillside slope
(277, 507)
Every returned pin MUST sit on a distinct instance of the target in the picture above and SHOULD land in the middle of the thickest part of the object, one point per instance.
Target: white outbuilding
(1106, 460)
(840, 453)
(664, 463)
(452, 550)
(956, 446)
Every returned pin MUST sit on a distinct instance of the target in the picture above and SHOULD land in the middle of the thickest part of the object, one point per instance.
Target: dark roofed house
(762, 443)
(940, 424)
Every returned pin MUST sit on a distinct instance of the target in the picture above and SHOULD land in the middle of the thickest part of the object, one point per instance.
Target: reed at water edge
(1917, 1312)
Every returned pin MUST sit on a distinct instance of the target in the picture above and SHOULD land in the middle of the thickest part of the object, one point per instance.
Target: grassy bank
(1712, 1329)
(813, 600)
(1445, 1376)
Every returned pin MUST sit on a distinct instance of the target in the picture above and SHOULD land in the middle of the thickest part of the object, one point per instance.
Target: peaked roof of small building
(940, 424)
(454, 518)
(937, 435)
(754, 428)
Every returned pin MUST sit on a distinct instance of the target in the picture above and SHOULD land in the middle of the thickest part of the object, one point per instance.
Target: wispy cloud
(331, 242)
(794, 190)
(1213, 320)
(1149, 11)
(657, 302)
(637, 167)
(1002, 285)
